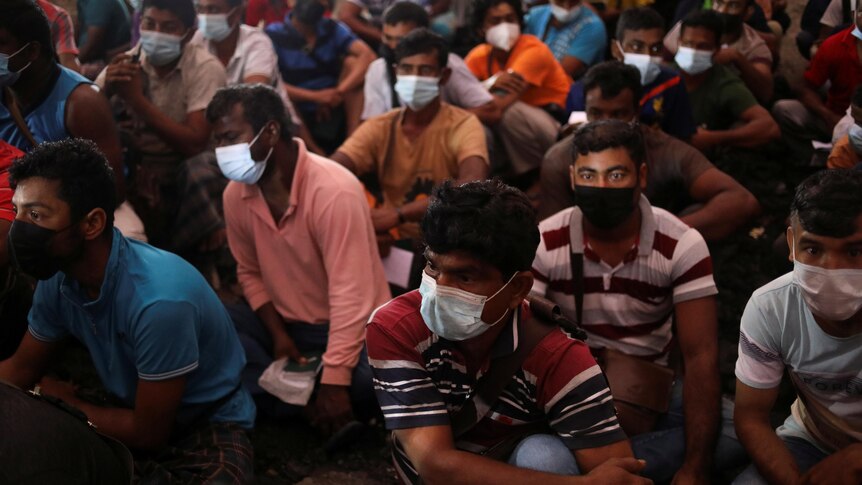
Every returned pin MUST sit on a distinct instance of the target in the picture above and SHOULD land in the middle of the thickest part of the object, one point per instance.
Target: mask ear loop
(497, 293)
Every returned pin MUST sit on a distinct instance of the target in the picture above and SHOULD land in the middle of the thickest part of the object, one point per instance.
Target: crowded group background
(503, 230)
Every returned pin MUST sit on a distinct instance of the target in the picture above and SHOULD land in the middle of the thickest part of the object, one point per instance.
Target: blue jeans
(805, 454)
(544, 453)
(257, 343)
(663, 448)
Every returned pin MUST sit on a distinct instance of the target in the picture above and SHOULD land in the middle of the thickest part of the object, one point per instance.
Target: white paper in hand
(291, 387)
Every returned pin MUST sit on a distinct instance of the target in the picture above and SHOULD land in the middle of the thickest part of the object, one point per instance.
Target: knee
(788, 111)
(544, 453)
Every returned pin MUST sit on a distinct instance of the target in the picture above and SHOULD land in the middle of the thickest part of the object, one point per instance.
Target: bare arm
(727, 205)
(751, 420)
(697, 329)
(344, 160)
(296, 93)
(349, 13)
(88, 115)
(356, 74)
(70, 61)
(573, 66)
(433, 453)
(488, 113)
(808, 96)
(189, 137)
(95, 37)
(27, 365)
(758, 128)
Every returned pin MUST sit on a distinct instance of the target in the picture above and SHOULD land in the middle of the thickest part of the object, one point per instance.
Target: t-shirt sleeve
(463, 88)
(760, 53)
(590, 44)
(554, 179)
(842, 155)
(405, 391)
(819, 70)
(759, 364)
(204, 81)
(477, 60)
(692, 163)
(671, 40)
(64, 33)
(534, 64)
(378, 94)
(735, 97)
(344, 38)
(575, 396)
(468, 139)
(540, 269)
(45, 323)
(692, 268)
(260, 58)
(166, 341)
(364, 147)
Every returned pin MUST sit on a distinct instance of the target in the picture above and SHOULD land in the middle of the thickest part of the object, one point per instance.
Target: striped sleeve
(759, 364)
(64, 33)
(553, 248)
(407, 396)
(165, 339)
(575, 395)
(692, 268)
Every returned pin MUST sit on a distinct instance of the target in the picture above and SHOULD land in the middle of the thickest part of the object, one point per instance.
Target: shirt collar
(71, 290)
(647, 231)
(302, 161)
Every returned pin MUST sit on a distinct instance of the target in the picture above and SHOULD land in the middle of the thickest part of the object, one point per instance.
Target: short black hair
(260, 105)
(599, 136)
(27, 22)
(308, 12)
(639, 18)
(184, 9)
(827, 203)
(612, 78)
(857, 96)
(491, 221)
(86, 179)
(480, 7)
(704, 19)
(423, 41)
(406, 12)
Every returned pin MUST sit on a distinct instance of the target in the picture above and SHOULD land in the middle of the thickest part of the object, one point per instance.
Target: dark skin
(725, 204)
(413, 125)
(757, 76)
(573, 66)
(753, 406)
(509, 84)
(756, 126)
(88, 114)
(148, 425)
(331, 409)
(696, 321)
(351, 15)
(431, 448)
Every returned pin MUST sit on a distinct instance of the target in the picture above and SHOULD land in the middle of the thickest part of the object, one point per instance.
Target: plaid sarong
(216, 453)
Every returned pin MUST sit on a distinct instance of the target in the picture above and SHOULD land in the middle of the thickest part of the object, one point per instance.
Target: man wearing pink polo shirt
(300, 230)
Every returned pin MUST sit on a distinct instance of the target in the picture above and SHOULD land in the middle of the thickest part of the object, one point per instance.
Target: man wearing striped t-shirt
(641, 266)
(429, 349)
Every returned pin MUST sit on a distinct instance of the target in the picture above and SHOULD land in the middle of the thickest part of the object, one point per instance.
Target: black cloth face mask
(605, 207)
(30, 249)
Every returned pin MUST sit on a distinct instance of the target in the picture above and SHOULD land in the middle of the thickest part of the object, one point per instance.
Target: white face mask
(693, 61)
(416, 92)
(834, 294)
(649, 67)
(564, 15)
(161, 48)
(503, 36)
(236, 163)
(452, 313)
(214, 27)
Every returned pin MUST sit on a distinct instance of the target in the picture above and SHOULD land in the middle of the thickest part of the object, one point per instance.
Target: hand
(727, 55)
(59, 389)
(283, 346)
(384, 219)
(329, 97)
(509, 81)
(840, 468)
(619, 471)
(331, 409)
(690, 475)
(124, 78)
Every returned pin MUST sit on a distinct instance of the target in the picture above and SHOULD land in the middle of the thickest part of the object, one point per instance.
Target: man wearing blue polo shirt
(573, 32)
(159, 337)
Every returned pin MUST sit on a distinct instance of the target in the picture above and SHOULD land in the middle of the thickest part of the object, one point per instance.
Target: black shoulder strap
(577, 263)
(846, 12)
(18, 117)
(530, 332)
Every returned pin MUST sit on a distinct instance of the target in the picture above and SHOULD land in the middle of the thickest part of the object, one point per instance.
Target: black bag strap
(530, 332)
(15, 110)
(577, 266)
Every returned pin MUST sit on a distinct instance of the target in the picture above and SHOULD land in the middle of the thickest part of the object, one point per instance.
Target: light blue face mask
(416, 92)
(215, 27)
(161, 49)
(565, 15)
(8, 77)
(857, 33)
(855, 135)
(137, 4)
(693, 61)
(452, 313)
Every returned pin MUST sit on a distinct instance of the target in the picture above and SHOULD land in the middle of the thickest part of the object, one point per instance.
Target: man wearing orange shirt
(526, 79)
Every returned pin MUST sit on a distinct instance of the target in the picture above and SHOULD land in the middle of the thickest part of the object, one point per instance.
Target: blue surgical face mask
(452, 313)
(693, 61)
(8, 77)
(161, 49)
(136, 4)
(855, 135)
(215, 27)
(564, 15)
(857, 33)
(417, 91)
(237, 164)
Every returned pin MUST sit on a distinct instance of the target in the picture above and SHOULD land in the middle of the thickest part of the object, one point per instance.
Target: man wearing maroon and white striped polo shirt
(641, 266)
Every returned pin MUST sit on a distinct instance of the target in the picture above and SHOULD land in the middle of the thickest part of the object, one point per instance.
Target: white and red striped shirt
(628, 307)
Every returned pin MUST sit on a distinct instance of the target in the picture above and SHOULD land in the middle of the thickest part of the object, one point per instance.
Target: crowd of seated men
(213, 196)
